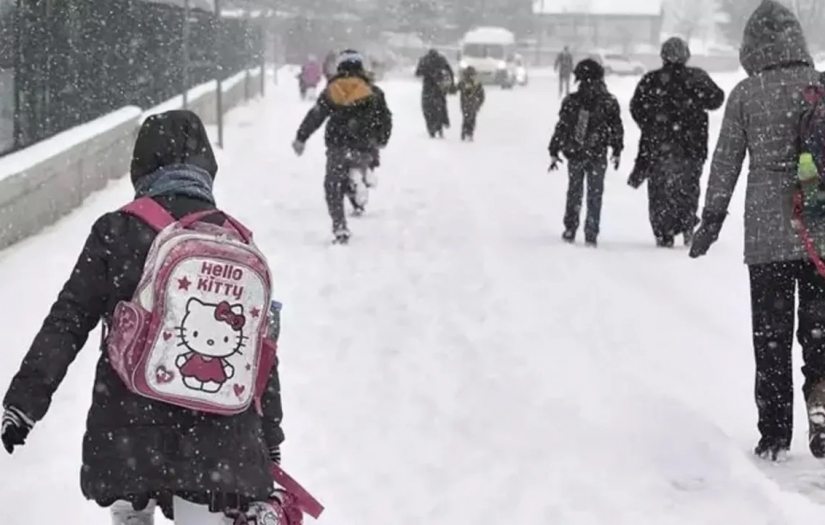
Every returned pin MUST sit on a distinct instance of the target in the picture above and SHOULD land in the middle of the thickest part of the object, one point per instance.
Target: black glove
(554, 163)
(15, 428)
(707, 234)
(275, 454)
(375, 158)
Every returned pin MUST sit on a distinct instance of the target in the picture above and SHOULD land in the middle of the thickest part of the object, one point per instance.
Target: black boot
(341, 236)
(816, 421)
(569, 236)
(771, 450)
(664, 241)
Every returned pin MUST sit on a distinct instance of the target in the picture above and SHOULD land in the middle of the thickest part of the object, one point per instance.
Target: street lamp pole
(219, 71)
(186, 13)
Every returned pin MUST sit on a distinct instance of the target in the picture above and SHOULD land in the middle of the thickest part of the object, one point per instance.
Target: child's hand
(616, 160)
(554, 163)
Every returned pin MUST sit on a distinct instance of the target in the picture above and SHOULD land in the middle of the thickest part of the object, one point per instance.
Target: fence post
(248, 52)
(186, 54)
(262, 51)
(219, 71)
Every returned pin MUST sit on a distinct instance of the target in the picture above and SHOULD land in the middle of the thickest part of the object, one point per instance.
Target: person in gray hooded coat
(762, 119)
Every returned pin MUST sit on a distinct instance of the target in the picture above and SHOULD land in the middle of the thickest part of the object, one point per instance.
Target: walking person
(564, 67)
(438, 81)
(471, 94)
(762, 119)
(670, 106)
(589, 123)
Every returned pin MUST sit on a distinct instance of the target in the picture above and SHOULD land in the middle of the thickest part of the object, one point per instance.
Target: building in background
(623, 26)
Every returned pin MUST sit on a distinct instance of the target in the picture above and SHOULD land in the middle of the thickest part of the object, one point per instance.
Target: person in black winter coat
(438, 81)
(472, 96)
(137, 450)
(671, 107)
(589, 122)
(564, 67)
(360, 123)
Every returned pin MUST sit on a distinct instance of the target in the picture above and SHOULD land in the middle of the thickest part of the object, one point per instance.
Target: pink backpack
(194, 334)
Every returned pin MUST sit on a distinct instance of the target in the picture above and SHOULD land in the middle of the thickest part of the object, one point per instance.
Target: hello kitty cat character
(211, 333)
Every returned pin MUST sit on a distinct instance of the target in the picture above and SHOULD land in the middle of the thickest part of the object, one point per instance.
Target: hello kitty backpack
(194, 334)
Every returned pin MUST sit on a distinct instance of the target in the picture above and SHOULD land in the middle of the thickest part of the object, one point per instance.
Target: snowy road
(457, 363)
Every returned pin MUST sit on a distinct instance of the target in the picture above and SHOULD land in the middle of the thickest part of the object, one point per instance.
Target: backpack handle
(242, 230)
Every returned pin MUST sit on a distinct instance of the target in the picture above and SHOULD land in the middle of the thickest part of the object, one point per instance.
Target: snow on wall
(202, 100)
(42, 183)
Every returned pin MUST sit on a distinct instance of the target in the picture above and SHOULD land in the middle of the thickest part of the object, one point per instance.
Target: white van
(491, 51)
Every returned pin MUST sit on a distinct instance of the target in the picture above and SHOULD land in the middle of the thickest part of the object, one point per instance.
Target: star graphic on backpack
(184, 283)
(255, 312)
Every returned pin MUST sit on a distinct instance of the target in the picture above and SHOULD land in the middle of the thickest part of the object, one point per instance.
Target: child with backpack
(775, 117)
(471, 95)
(186, 407)
(589, 122)
(360, 124)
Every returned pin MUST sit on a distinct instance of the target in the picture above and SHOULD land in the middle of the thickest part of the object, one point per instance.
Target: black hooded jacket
(135, 448)
(359, 117)
(435, 72)
(671, 106)
(594, 106)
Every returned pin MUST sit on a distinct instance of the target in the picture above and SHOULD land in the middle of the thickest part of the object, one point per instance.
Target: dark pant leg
(811, 332)
(657, 204)
(575, 189)
(772, 315)
(693, 191)
(428, 109)
(595, 190)
(468, 126)
(444, 110)
(336, 184)
(666, 202)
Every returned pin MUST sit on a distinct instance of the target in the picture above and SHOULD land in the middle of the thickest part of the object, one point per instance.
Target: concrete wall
(42, 183)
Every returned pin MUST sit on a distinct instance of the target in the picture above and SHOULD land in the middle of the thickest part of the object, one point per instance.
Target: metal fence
(65, 62)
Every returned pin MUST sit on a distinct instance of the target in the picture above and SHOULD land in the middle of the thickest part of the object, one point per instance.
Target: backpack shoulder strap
(148, 210)
(229, 222)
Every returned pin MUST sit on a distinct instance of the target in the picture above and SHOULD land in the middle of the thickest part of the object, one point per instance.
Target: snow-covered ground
(457, 363)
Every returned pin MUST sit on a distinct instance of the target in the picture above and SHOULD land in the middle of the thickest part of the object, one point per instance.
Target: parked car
(490, 50)
(618, 64)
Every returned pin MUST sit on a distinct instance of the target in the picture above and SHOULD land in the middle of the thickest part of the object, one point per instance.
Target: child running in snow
(471, 94)
(359, 124)
(589, 122)
(140, 452)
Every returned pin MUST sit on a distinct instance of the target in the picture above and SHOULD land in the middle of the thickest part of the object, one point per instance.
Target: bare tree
(811, 14)
(691, 19)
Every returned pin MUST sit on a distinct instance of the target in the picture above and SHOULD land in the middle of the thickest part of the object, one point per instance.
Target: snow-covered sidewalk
(458, 363)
